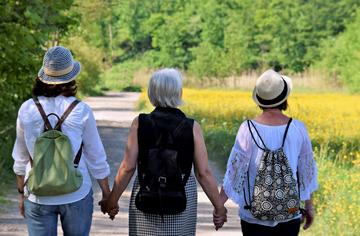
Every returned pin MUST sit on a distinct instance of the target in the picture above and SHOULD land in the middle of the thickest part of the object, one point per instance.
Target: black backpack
(162, 182)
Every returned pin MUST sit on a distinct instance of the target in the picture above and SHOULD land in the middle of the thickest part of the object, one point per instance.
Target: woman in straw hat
(272, 135)
(54, 93)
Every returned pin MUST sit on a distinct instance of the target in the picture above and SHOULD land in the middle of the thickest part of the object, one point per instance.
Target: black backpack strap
(286, 131)
(178, 129)
(250, 123)
(247, 204)
(175, 134)
(47, 124)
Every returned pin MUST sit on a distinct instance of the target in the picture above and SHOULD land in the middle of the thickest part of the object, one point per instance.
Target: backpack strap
(173, 135)
(286, 131)
(78, 156)
(47, 125)
(58, 127)
(250, 123)
(66, 114)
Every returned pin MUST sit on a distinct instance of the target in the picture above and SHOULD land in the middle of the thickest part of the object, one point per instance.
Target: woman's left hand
(21, 205)
(308, 217)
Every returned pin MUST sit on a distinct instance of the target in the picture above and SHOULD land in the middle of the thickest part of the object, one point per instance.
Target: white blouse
(79, 126)
(245, 155)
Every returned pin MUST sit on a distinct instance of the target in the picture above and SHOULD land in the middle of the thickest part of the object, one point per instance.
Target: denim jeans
(75, 217)
(290, 228)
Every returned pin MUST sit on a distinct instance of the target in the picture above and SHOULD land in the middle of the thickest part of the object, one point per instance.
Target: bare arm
(104, 185)
(20, 187)
(223, 196)
(127, 167)
(203, 172)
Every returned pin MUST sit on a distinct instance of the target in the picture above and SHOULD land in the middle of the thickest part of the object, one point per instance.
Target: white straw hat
(271, 89)
(59, 66)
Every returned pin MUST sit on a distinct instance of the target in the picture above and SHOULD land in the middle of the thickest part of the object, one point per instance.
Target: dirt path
(114, 114)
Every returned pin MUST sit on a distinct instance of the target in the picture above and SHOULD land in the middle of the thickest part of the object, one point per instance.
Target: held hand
(21, 205)
(219, 217)
(112, 209)
(113, 212)
(102, 203)
(308, 217)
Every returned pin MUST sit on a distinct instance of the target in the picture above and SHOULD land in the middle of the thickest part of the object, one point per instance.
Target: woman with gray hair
(164, 146)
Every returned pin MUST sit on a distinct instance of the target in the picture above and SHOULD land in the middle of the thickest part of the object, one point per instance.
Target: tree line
(220, 38)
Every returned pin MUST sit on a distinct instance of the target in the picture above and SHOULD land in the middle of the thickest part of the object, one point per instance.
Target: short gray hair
(165, 88)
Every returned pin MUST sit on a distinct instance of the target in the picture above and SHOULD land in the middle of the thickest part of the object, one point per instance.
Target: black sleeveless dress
(180, 224)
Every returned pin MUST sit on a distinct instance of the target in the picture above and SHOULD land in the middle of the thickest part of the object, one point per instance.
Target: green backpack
(53, 170)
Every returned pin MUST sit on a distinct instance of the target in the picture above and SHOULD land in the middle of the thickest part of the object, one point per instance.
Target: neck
(272, 112)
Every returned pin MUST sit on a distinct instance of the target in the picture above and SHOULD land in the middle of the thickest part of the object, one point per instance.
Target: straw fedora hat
(271, 89)
(59, 66)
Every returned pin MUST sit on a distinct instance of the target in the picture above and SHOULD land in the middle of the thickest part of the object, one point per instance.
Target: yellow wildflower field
(332, 120)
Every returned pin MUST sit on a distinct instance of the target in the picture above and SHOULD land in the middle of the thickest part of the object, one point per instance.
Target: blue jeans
(75, 217)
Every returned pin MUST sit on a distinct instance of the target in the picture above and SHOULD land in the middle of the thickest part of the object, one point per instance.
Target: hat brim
(289, 88)
(60, 79)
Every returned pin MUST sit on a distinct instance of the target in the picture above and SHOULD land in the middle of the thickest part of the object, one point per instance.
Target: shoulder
(26, 106)
(135, 122)
(28, 103)
(244, 128)
(300, 128)
(196, 127)
(299, 125)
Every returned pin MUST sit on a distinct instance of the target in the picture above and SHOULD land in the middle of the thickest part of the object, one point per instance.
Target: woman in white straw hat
(271, 167)
(54, 96)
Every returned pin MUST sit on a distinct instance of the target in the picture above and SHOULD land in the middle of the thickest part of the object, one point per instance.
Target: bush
(341, 57)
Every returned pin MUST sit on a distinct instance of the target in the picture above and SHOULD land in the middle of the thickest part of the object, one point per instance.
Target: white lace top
(245, 155)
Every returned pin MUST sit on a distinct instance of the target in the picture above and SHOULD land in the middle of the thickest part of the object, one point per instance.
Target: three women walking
(57, 145)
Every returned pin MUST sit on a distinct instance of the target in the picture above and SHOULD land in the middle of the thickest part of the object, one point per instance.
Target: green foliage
(26, 29)
(121, 75)
(90, 58)
(221, 38)
(341, 57)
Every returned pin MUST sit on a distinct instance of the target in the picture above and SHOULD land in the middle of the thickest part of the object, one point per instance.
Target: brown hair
(53, 90)
(282, 107)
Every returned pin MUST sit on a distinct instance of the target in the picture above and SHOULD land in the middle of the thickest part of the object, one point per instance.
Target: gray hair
(165, 88)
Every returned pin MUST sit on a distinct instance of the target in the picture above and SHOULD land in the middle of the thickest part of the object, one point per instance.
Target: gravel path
(114, 114)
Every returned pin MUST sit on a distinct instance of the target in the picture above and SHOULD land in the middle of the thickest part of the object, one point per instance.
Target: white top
(79, 126)
(245, 155)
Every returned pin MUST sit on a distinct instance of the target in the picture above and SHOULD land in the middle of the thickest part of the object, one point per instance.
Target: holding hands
(219, 217)
(112, 209)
